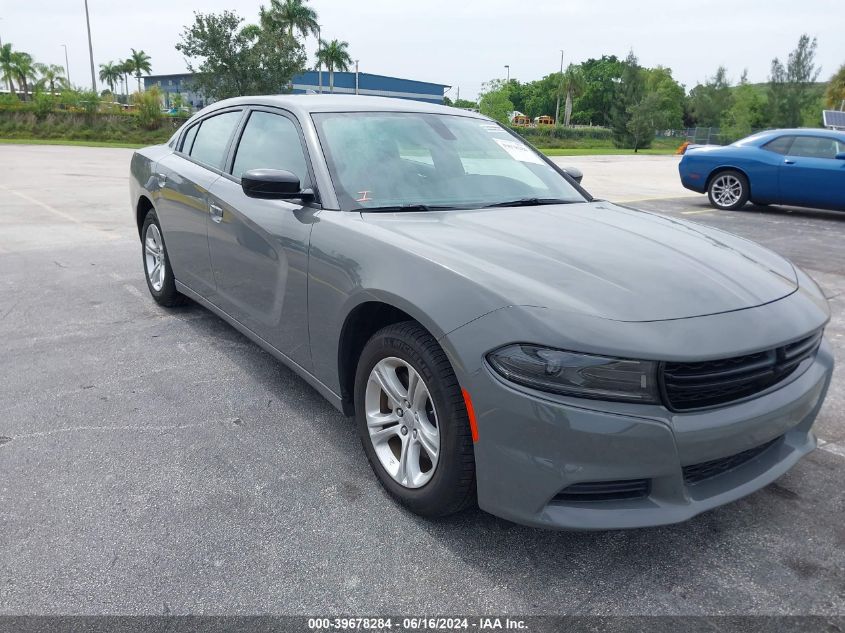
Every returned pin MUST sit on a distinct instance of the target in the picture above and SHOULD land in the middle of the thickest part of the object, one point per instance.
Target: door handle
(216, 213)
(786, 161)
(162, 180)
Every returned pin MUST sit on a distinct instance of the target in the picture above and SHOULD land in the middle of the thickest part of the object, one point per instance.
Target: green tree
(670, 96)
(596, 101)
(7, 66)
(231, 60)
(52, 76)
(335, 56)
(835, 93)
(710, 100)
(541, 95)
(23, 68)
(495, 102)
(125, 69)
(791, 90)
(573, 86)
(746, 114)
(290, 16)
(629, 92)
(644, 118)
(110, 74)
(139, 62)
(466, 104)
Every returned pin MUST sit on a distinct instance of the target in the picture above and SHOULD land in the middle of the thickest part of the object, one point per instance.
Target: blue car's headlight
(579, 375)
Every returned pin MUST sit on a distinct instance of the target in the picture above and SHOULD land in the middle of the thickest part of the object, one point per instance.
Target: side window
(189, 139)
(270, 141)
(814, 147)
(780, 145)
(212, 139)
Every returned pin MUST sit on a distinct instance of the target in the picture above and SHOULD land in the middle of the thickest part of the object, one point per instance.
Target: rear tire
(420, 447)
(728, 190)
(157, 270)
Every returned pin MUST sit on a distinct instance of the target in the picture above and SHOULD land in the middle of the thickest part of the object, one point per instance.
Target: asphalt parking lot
(155, 461)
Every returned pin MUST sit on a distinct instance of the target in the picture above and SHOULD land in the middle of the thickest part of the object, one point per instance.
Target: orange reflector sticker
(473, 425)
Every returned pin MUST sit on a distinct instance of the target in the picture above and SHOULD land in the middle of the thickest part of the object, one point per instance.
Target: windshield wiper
(528, 202)
(395, 208)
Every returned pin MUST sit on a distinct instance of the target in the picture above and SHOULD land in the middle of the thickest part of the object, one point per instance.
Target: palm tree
(574, 81)
(334, 55)
(139, 62)
(291, 15)
(7, 72)
(52, 75)
(110, 74)
(125, 68)
(24, 70)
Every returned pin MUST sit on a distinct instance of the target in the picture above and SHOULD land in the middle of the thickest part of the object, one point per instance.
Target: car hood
(596, 258)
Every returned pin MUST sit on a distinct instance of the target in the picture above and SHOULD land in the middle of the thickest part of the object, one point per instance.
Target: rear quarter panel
(759, 166)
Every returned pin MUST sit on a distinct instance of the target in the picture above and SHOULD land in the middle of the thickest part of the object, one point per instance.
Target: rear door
(259, 248)
(811, 176)
(184, 178)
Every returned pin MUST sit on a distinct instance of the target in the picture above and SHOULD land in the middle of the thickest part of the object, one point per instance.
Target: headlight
(577, 375)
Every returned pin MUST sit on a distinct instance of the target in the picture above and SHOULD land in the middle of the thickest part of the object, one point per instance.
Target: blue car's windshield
(417, 161)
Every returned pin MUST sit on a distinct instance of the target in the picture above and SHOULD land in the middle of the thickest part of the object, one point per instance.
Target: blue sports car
(805, 168)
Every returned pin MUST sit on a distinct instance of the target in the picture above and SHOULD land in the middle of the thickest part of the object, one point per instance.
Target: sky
(462, 43)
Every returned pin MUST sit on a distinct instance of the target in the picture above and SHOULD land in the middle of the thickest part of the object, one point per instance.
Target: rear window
(212, 139)
(780, 145)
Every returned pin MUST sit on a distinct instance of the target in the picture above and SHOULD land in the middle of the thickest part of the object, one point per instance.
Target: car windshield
(396, 161)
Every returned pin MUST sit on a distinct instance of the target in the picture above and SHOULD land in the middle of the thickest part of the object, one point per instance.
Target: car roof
(307, 104)
(802, 131)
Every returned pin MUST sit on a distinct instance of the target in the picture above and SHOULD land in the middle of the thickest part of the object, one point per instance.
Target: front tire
(157, 270)
(728, 190)
(413, 423)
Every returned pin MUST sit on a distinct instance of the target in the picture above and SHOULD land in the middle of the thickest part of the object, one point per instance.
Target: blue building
(309, 81)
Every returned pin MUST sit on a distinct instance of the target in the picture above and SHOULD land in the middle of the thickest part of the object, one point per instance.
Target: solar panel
(834, 118)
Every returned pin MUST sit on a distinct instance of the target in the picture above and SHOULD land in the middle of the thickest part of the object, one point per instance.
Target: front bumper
(533, 445)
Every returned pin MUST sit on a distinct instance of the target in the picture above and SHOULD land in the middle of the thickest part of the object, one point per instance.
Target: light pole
(559, 90)
(356, 76)
(319, 61)
(91, 49)
(509, 74)
(67, 65)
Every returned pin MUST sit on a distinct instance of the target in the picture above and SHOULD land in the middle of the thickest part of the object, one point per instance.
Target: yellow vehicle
(521, 120)
(544, 120)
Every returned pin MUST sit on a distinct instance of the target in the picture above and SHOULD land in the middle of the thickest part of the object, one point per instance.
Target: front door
(811, 176)
(259, 248)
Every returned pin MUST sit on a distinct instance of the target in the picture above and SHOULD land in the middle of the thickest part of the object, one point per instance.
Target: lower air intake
(587, 491)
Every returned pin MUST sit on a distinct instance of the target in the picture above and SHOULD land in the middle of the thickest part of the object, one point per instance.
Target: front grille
(714, 382)
(604, 490)
(705, 470)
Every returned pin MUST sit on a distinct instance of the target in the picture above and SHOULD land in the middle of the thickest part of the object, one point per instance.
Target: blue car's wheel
(728, 190)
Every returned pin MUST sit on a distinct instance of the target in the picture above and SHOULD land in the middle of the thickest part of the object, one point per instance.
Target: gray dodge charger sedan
(499, 335)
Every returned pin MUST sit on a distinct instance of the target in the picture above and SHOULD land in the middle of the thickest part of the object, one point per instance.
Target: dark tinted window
(814, 147)
(780, 145)
(270, 141)
(189, 139)
(213, 138)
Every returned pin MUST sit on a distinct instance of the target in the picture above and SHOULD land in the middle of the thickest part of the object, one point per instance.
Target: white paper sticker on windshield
(518, 151)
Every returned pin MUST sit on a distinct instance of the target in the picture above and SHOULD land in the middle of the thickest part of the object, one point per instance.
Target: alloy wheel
(154, 257)
(402, 422)
(727, 190)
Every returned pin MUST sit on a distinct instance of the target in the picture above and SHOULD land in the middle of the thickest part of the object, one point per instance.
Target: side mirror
(840, 156)
(273, 184)
(576, 174)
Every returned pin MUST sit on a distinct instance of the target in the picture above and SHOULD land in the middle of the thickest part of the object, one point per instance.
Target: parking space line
(57, 212)
(830, 447)
(702, 211)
